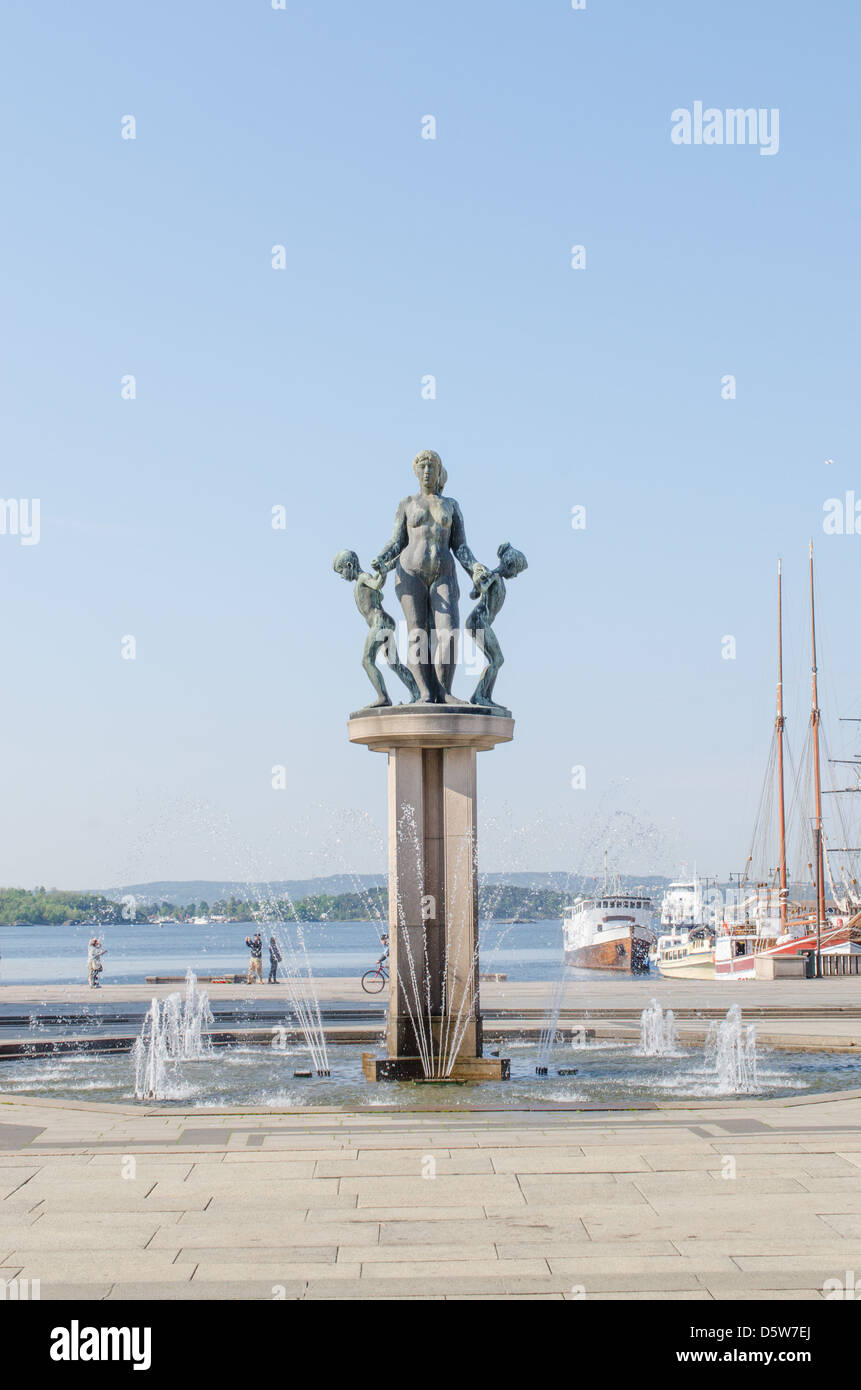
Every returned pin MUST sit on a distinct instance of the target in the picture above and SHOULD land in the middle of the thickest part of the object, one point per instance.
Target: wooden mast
(817, 785)
(780, 723)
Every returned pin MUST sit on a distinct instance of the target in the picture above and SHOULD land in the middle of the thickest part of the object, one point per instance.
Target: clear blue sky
(301, 387)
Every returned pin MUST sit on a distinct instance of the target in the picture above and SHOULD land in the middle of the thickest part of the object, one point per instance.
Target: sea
(57, 955)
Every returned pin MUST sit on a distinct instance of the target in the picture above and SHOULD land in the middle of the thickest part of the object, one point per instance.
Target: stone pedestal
(434, 1015)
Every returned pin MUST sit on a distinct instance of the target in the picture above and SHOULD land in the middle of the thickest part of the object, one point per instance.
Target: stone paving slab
(234, 1290)
(274, 1271)
(392, 1165)
(441, 1191)
(675, 1295)
(250, 1234)
(99, 1266)
(46, 1234)
(475, 1212)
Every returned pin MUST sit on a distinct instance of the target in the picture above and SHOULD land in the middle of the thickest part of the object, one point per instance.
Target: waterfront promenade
(627, 992)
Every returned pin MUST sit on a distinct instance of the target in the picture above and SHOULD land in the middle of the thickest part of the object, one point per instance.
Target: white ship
(683, 905)
(610, 930)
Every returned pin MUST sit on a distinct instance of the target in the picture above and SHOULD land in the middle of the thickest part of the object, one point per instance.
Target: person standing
(255, 971)
(94, 962)
(274, 961)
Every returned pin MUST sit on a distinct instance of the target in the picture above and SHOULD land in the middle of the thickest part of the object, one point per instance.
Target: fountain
(730, 1051)
(658, 1035)
(173, 1030)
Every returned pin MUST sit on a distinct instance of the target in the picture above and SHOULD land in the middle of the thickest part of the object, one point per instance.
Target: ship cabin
(615, 906)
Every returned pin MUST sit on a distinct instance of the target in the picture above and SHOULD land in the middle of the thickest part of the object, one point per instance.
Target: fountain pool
(611, 1073)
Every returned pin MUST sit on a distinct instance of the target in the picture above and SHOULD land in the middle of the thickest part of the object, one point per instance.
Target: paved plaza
(744, 1199)
(830, 997)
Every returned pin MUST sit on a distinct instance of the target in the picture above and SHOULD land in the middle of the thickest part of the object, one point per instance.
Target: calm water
(58, 955)
(607, 1073)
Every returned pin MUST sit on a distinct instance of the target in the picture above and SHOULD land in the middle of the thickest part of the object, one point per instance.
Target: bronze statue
(369, 601)
(429, 535)
(490, 591)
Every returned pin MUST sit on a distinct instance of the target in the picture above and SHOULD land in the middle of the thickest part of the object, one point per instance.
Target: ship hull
(840, 939)
(627, 954)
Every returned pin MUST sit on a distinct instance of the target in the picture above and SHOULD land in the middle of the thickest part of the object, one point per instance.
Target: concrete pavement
(743, 1199)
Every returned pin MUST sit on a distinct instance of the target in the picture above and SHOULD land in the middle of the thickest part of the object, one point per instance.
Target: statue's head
(346, 563)
(428, 468)
(511, 562)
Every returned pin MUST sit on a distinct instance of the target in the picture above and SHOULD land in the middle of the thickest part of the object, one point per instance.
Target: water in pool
(607, 1073)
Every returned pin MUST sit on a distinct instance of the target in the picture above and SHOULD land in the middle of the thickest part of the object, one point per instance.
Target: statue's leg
(486, 641)
(391, 654)
(374, 641)
(412, 592)
(476, 632)
(446, 620)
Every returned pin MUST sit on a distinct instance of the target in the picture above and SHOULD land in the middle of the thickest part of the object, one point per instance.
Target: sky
(601, 387)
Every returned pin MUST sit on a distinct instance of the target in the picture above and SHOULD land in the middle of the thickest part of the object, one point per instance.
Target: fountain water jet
(658, 1035)
(549, 1032)
(173, 1030)
(731, 1052)
(276, 913)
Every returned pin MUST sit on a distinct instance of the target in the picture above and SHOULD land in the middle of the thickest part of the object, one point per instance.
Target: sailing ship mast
(780, 723)
(817, 785)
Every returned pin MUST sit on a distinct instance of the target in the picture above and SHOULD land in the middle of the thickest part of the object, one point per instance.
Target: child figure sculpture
(490, 591)
(369, 601)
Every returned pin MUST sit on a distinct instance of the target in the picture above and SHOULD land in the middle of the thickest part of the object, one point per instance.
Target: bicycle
(374, 980)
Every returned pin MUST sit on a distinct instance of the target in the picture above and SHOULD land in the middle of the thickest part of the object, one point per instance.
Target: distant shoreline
(505, 903)
(262, 927)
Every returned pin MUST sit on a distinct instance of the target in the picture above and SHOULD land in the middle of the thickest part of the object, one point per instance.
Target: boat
(740, 945)
(609, 930)
(683, 906)
(688, 954)
(764, 932)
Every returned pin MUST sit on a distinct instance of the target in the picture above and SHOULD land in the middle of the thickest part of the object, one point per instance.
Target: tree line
(54, 907)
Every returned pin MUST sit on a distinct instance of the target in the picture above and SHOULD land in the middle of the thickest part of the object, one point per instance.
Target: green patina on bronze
(429, 535)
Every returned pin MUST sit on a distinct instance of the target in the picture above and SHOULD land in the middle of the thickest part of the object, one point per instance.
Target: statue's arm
(390, 553)
(373, 581)
(459, 544)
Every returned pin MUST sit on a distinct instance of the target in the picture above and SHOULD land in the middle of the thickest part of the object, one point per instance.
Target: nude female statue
(429, 534)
